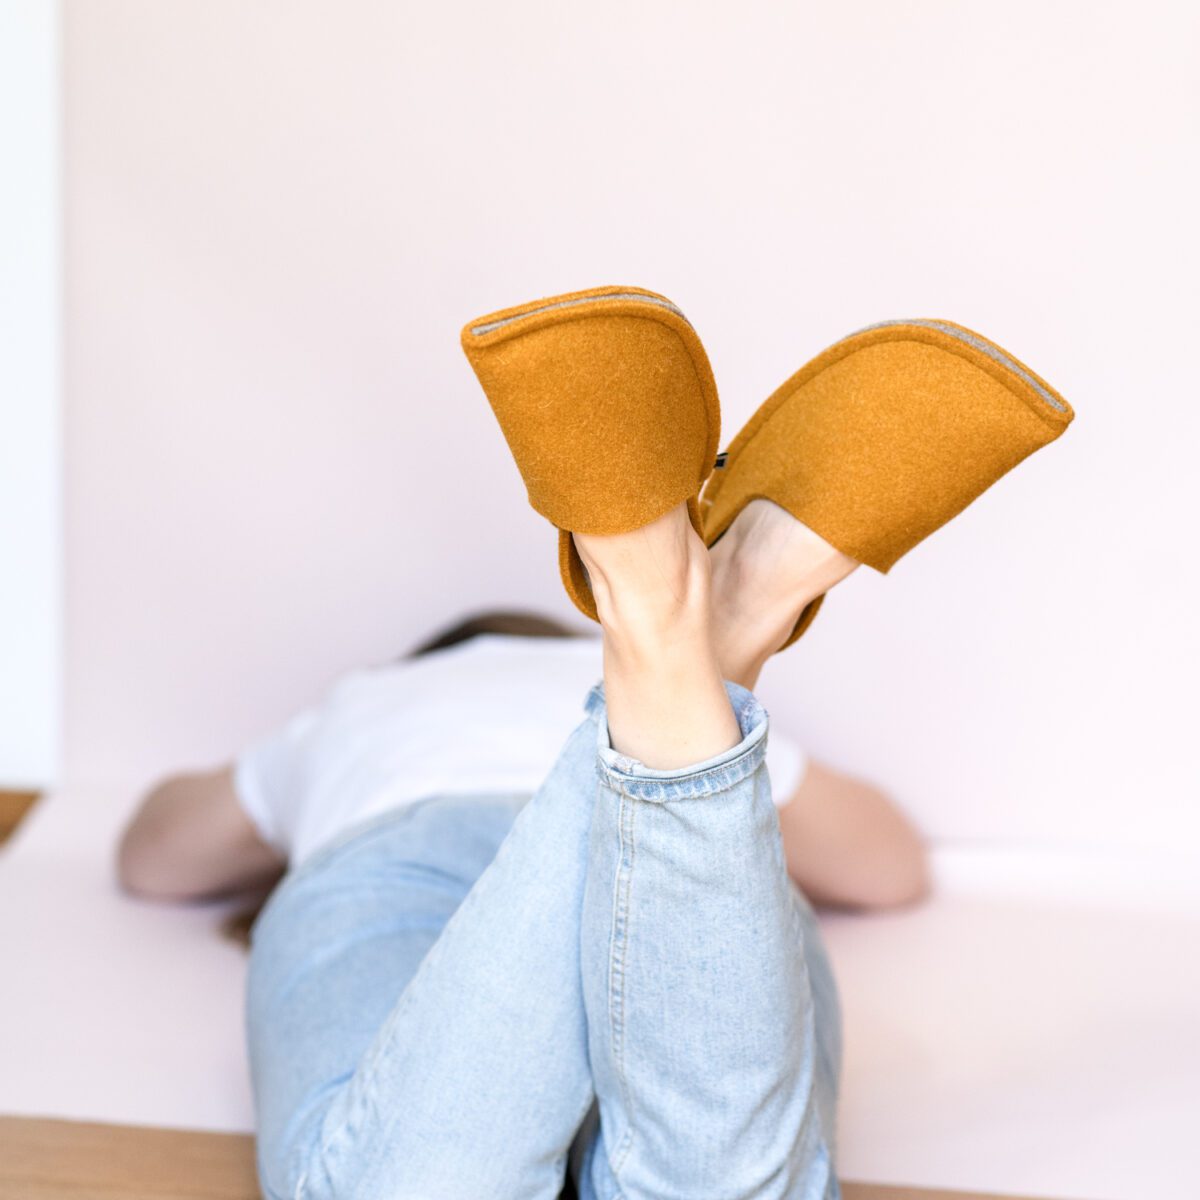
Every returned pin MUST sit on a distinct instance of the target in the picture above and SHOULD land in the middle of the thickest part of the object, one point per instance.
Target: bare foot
(765, 570)
(667, 705)
(649, 580)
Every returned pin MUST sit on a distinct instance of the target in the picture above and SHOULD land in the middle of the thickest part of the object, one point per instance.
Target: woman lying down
(532, 923)
(385, 802)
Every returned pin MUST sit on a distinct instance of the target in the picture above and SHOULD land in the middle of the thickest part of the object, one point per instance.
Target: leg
(710, 1074)
(334, 948)
(465, 1076)
(766, 568)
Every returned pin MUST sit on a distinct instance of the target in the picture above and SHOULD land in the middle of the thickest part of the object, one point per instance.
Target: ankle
(651, 583)
(766, 569)
(746, 636)
(659, 624)
(667, 705)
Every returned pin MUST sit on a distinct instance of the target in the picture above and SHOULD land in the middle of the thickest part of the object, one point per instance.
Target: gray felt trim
(480, 330)
(979, 344)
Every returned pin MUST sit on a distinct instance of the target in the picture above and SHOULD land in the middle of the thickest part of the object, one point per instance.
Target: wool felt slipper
(885, 437)
(609, 406)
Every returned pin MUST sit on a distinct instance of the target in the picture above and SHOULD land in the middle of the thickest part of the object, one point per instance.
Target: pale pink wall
(279, 214)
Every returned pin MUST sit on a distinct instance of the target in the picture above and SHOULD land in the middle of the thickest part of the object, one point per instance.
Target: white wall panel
(279, 215)
(30, 363)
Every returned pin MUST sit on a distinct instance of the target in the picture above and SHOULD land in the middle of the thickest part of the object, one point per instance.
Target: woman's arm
(191, 840)
(847, 845)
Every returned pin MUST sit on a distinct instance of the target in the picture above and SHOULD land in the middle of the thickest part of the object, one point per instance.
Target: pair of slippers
(609, 406)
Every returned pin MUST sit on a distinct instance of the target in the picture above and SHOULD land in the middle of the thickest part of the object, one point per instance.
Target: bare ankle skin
(765, 570)
(666, 698)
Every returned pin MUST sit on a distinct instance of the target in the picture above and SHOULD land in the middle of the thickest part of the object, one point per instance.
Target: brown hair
(507, 622)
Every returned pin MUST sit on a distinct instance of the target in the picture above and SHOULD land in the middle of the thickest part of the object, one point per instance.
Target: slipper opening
(984, 347)
(488, 326)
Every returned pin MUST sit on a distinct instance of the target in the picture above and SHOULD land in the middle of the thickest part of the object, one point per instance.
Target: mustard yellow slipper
(609, 407)
(884, 437)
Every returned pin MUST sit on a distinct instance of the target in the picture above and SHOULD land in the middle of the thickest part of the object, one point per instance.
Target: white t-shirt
(487, 717)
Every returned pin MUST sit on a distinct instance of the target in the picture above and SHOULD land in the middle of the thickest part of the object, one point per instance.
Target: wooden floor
(13, 807)
(68, 1160)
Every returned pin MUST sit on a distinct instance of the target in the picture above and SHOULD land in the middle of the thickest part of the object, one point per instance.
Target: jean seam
(821, 1137)
(618, 964)
(705, 783)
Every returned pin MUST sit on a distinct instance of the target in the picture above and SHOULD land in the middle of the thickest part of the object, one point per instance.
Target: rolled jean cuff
(633, 779)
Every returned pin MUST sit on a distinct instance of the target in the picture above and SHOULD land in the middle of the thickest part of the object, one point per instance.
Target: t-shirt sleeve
(266, 780)
(787, 764)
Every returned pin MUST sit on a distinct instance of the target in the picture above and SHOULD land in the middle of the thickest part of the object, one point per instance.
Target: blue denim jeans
(461, 996)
